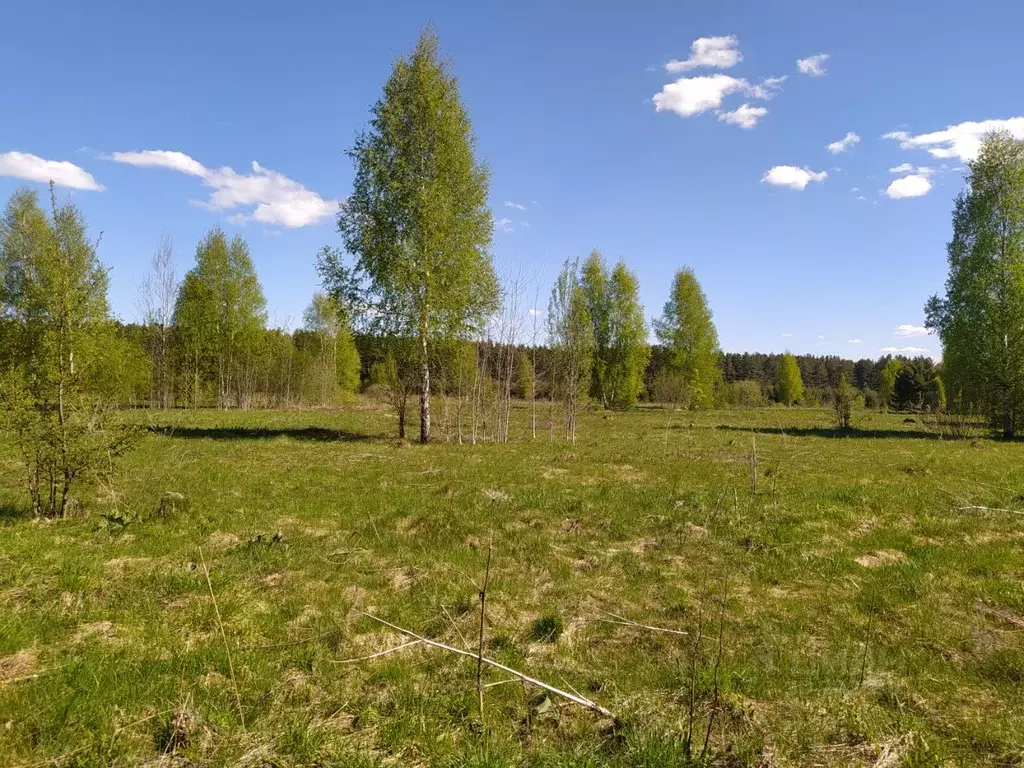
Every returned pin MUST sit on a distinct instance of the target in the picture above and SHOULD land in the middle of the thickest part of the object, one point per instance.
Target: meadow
(752, 580)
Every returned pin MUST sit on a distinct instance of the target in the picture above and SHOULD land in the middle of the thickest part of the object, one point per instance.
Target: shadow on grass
(315, 434)
(903, 434)
(12, 513)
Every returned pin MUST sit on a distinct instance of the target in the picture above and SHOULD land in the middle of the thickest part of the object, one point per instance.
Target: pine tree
(688, 331)
(791, 384)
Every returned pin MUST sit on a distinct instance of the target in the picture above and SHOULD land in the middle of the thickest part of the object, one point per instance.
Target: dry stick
(864, 658)
(224, 637)
(376, 655)
(623, 621)
(480, 643)
(714, 699)
(753, 464)
(583, 702)
(693, 674)
(989, 509)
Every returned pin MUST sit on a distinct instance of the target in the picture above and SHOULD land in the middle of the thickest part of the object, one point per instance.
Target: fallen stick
(224, 637)
(583, 702)
(976, 508)
(628, 623)
(376, 655)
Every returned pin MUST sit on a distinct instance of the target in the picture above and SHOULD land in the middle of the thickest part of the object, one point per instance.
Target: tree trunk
(424, 393)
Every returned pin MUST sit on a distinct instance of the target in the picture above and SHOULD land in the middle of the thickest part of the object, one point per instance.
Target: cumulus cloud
(914, 185)
(961, 141)
(909, 331)
(744, 116)
(813, 65)
(690, 96)
(517, 206)
(792, 177)
(271, 197)
(844, 143)
(905, 351)
(717, 52)
(21, 165)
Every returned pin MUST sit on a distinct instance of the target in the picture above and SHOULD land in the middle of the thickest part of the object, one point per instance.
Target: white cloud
(853, 341)
(505, 225)
(744, 116)
(962, 141)
(905, 351)
(717, 52)
(517, 206)
(855, 189)
(923, 170)
(21, 165)
(821, 337)
(812, 65)
(690, 96)
(909, 331)
(915, 185)
(524, 224)
(161, 158)
(272, 196)
(844, 143)
(787, 335)
(792, 177)
(534, 312)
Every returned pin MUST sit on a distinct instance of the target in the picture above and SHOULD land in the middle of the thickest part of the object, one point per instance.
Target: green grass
(850, 560)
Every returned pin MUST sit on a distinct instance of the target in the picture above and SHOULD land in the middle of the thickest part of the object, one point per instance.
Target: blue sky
(606, 122)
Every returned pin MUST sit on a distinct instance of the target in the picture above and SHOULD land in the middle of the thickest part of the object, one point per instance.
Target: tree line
(411, 307)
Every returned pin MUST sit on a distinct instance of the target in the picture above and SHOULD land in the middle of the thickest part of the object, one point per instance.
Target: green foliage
(791, 384)
(418, 221)
(687, 330)
(842, 402)
(525, 385)
(219, 319)
(571, 337)
(887, 381)
(331, 365)
(981, 317)
(740, 394)
(621, 352)
(61, 356)
(915, 385)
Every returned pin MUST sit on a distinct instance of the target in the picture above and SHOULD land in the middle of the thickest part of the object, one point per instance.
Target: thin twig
(976, 508)
(715, 703)
(224, 637)
(623, 621)
(864, 658)
(376, 655)
(583, 702)
(480, 642)
(693, 674)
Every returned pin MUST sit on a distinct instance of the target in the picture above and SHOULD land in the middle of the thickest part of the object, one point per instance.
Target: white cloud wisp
(961, 141)
(272, 197)
(717, 52)
(21, 165)
(792, 177)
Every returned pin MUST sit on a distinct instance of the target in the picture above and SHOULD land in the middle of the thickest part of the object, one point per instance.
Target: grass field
(864, 617)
